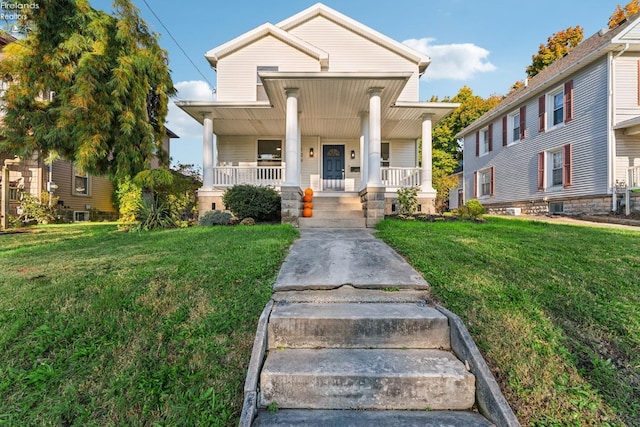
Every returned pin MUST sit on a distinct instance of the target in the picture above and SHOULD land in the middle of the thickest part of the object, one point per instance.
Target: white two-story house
(317, 101)
(569, 140)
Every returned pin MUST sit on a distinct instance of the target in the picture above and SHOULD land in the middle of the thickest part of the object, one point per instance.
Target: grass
(100, 327)
(555, 309)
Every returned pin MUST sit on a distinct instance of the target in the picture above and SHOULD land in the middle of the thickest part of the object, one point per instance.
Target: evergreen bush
(260, 203)
(215, 218)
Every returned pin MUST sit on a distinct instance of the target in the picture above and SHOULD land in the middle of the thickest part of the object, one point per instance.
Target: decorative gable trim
(215, 54)
(320, 9)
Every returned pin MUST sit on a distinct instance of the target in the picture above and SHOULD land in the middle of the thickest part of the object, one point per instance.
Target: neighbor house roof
(585, 53)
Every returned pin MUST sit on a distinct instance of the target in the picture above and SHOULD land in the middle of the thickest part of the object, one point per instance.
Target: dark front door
(333, 167)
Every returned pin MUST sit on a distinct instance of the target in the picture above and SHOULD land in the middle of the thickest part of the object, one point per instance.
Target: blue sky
(485, 45)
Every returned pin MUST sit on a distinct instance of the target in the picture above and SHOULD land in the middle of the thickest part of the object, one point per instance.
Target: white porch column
(209, 151)
(375, 138)
(364, 149)
(426, 185)
(292, 165)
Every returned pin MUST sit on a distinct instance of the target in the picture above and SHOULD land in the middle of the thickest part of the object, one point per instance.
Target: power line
(178, 44)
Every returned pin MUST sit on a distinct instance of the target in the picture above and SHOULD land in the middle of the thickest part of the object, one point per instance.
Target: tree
(558, 45)
(91, 86)
(471, 108)
(622, 13)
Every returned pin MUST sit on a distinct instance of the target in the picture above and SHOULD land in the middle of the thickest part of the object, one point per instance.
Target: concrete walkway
(329, 258)
(349, 339)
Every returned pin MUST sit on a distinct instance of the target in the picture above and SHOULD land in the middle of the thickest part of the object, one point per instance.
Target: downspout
(611, 140)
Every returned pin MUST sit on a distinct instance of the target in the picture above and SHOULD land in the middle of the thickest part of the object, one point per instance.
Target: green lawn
(100, 327)
(554, 308)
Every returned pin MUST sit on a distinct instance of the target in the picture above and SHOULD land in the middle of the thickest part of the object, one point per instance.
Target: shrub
(215, 218)
(38, 209)
(248, 221)
(408, 200)
(473, 209)
(153, 215)
(261, 203)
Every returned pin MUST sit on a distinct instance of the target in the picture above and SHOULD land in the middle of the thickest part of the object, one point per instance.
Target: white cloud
(180, 122)
(452, 61)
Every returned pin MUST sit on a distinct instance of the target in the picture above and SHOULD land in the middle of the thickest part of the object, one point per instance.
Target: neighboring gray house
(569, 140)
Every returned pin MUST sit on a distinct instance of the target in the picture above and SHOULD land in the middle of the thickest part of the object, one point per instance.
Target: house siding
(627, 154)
(402, 154)
(237, 72)
(351, 52)
(626, 87)
(100, 196)
(516, 165)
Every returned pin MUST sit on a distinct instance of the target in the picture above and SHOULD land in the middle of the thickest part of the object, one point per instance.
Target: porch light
(311, 152)
(353, 154)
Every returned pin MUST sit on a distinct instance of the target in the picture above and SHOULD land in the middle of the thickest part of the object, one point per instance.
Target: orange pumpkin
(308, 205)
(307, 199)
(308, 192)
(306, 213)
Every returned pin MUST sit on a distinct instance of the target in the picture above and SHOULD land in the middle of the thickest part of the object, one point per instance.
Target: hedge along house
(567, 142)
(318, 100)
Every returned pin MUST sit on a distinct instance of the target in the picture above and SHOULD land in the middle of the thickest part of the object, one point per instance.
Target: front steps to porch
(386, 361)
(335, 210)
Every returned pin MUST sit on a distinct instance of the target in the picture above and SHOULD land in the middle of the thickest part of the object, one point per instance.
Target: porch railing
(227, 176)
(400, 177)
(633, 177)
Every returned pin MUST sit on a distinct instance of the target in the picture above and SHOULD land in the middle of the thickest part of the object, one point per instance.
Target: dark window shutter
(475, 185)
(504, 131)
(523, 122)
(567, 171)
(541, 170)
(568, 101)
(477, 143)
(493, 185)
(541, 113)
(490, 130)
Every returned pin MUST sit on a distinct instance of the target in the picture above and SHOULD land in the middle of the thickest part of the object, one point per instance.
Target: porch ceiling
(330, 105)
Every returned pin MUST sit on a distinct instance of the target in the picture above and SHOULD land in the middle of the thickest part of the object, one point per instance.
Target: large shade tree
(622, 13)
(90, 86)
(557, 46)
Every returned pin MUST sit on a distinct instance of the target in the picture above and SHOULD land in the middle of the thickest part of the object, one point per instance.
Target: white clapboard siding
(237, 72)
(626, 87)
(402, 153)
(351, 52)
(627, 154)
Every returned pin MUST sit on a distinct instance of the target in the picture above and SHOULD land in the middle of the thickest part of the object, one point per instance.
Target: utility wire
(180, 47)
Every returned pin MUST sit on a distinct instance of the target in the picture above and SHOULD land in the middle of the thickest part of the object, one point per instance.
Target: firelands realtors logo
(15, 12)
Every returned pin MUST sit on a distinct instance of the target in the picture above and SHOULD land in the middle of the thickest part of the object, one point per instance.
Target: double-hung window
(557, 108)
(483, 183)
(80, 183)
(514, 121)
(555, 168)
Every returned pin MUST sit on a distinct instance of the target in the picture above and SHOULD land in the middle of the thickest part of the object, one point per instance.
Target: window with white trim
(270, 152)
(514, 126)
(484, 178)
(80, 183)
(484, 141)
(558, 109)
(555, 169)
(385, 154)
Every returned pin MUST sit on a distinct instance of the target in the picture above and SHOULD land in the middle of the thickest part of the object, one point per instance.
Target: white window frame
(482, 175)
(74, 187)
(559, 91)
(551, 169)
(513, 137)
(484, 142)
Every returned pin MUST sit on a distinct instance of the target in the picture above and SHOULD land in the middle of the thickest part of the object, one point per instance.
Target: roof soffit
(370, 34)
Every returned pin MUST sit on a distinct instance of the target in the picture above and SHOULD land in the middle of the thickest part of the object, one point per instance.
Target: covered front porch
(332, 132)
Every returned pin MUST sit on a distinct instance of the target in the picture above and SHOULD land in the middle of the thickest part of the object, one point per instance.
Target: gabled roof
(215, 54)
(320, 9)
(585, 53)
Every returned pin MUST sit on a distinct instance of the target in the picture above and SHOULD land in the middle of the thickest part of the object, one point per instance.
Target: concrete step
(351, 418)
(336, 204)
(333, 214)
(366, 379)
(336, 222)
(353, 325)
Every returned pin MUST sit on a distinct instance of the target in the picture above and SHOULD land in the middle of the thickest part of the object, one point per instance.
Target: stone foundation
(291, 205)
(598, 205)
(373, 205)
(426, 205)
(210, 203)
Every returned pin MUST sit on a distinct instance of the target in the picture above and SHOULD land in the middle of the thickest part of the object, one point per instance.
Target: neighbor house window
(270, 151)
(384, 154)
(484, 141)
(80, 183)
(555, 168)
(14, 193)
(559, 104)
(484, 183)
